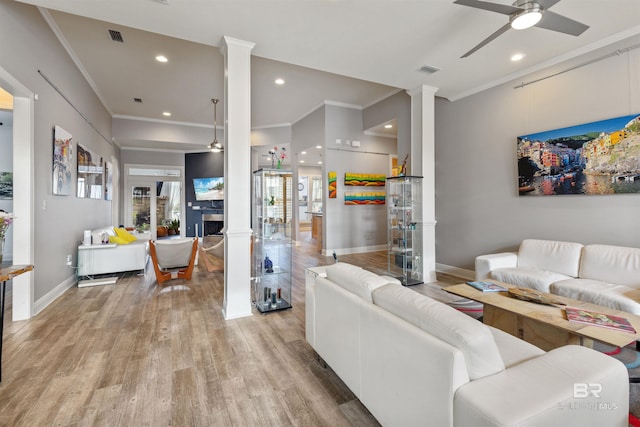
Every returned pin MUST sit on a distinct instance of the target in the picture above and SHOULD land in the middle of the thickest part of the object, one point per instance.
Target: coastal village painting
(594, 158)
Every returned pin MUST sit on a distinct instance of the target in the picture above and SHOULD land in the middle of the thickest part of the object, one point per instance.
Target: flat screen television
(209, 188)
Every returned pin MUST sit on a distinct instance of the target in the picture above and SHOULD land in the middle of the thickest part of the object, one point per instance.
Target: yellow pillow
(118, 240)
(124, 234)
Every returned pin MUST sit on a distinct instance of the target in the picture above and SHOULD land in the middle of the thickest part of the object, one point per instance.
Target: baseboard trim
(358, 250)
(455, 271)
(53, 294)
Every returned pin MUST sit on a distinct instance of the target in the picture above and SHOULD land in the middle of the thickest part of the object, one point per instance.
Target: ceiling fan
(525, 14)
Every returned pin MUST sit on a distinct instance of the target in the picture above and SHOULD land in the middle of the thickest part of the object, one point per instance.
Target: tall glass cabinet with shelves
(404, 228)
(272, 211)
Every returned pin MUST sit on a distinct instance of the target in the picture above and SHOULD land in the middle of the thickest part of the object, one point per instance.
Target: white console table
(87, 257)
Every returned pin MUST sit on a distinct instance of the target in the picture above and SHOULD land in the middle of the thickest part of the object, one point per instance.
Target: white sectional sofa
(413, 361)
(600, 274)
(112, 258)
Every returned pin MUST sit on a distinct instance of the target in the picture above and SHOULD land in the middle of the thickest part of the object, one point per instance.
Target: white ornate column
(423, 164)
(237, 177)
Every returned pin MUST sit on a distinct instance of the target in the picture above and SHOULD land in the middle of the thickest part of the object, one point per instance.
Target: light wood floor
(135, 354)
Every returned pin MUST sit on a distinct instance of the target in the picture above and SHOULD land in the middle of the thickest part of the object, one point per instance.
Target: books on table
(487, 286)
(594, 318)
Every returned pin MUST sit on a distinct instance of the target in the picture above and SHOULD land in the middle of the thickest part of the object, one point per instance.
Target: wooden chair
(173, 258)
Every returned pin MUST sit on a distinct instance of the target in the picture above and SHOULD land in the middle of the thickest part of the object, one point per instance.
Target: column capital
(230, 41)
(423, 89)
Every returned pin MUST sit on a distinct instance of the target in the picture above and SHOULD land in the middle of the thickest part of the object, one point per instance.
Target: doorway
(155, 201)
(23, 150)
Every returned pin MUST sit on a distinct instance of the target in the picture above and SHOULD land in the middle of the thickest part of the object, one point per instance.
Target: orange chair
(173, 258)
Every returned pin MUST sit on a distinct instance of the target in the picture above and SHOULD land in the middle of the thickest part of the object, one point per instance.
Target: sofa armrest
(486, 263)
(570, 385)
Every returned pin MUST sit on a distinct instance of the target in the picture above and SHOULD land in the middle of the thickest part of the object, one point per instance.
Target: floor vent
(116, 36)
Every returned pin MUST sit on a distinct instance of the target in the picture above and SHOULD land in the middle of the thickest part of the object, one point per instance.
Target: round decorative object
(300, 186)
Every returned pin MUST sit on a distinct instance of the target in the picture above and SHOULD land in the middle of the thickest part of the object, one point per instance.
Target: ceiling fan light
(526, 19)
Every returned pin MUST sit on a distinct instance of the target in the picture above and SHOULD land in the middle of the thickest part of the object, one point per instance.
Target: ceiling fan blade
(492, 7)
(488, 39)
(553, 21)
(546, 4)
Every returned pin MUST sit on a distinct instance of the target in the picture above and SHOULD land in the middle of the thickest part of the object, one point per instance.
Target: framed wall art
(332, 185)
(365, 179)
(108, 181)
(90, 171)
(593, 158)
(365, 198)
(62, 161)
(6, 185)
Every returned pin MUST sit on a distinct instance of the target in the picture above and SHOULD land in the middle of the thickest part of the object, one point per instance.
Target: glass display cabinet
(404, 228)
(271, 221)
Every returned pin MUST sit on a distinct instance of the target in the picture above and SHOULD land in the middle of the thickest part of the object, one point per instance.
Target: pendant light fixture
(215, 146)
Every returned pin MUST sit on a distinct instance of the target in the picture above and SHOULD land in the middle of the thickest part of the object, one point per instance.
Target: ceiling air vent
(116, 36)
(138, 100)
(428, 69)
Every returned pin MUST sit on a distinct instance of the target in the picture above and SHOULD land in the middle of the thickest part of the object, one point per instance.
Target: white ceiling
(351, 52)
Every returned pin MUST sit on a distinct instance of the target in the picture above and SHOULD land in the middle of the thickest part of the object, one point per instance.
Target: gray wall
(26, 46)
(352, 228)
(477, 204)
(397, 107)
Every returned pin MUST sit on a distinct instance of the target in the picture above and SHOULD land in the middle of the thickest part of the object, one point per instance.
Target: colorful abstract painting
(364, 179)
(365, 198)
(594, 158)
(62, 161)
(332, 185)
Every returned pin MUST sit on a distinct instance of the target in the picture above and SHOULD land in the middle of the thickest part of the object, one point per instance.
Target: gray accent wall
(478, 208)
(352, 228)
(26, 46)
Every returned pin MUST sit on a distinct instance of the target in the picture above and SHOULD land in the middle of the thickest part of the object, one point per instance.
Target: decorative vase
(1, 249)
(279, 164)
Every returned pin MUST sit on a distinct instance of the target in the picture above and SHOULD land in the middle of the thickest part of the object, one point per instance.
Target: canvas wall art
(90, 171)
(365, 198)
(108, 181)
(6, 185)
(594, 158)
(364, 179)
(332, 185)
(62, 161)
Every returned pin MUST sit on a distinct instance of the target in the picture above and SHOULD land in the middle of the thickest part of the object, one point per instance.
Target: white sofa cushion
(471, 337)
(512, 350)
(612, 264)
(356, 280)
(534, 393)
(551, 255)
(618, 297)
(528, 277)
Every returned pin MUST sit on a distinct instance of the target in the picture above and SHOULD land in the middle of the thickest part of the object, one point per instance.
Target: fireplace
(212, 224)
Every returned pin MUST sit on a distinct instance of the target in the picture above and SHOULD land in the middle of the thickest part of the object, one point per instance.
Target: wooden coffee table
(543, 325)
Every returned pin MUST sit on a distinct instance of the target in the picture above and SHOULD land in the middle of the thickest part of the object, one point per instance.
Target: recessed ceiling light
(279, 81)
(319, 163)
(388, 126)
(166, 114)
(318, 146)
(301, 161)
(161, 58)
(517, 56)
(303, 152)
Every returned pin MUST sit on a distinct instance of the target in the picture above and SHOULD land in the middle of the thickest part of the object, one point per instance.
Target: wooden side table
(8, 274)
